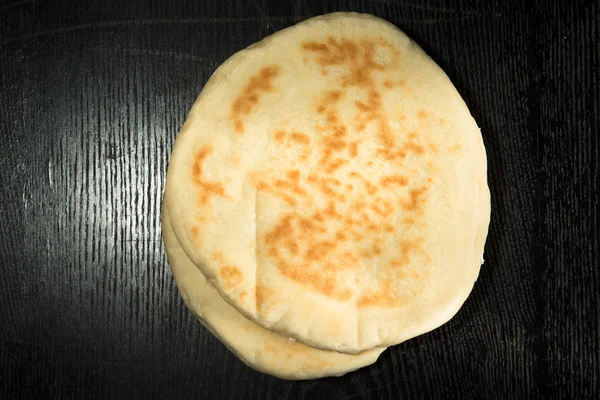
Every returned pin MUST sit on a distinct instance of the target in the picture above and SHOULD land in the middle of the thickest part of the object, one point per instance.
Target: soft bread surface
(332, 185)
(257, 347)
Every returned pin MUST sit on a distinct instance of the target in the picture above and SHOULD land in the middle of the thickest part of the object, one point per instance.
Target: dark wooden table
(92, 95)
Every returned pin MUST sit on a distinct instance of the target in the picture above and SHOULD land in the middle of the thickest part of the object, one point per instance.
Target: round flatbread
(331, 183)
(257, 347)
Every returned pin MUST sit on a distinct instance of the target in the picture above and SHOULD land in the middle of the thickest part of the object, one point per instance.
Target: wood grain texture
(91, 98)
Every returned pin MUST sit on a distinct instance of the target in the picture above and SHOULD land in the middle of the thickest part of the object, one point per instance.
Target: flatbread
(332, 185)
(257, 347)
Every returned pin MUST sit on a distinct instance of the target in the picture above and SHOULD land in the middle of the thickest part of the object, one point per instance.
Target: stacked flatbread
(326, 198)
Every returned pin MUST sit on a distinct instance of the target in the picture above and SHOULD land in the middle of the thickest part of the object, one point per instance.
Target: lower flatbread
(257, 347)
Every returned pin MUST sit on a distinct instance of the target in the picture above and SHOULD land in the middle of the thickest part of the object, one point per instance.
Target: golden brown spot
(331, 118)
(392, 155)
(388, 84)
(432, 168)
(242, 295)
(306, 274)
(353, 149)
(328, 101)
(357, 56)
(207, 188)
(264, 297)
(195, 232)
(333, 96)
(336, 164)
(407, 247)
(231, 276)
(422, 114)
(343, 52)
(318, 217)
(249, 99)
(324, 185)
(376, 249)
(456, 148)
(334, 143)
(310, 226)
(442, 121)
(374, 228)
(326, 156)
(371, 189)
(358, 206)
(388, 228)
(300, 138)
(382, 207)
(288, 199)
(382, 297)
(399, 180)
(218, 257)
(417, 148)
(434, 147)
(294, 175)
(239, 126)
(334, 132)
(333, 181)
(262, 185)
(314, 46)
(341, 236)
(292, 246)
(415, 200)
(318, 250)
(290, 189)
(331, 211)
(372, 111)
(349, 258)
(283, 229)
(280, 136)
(291, 185)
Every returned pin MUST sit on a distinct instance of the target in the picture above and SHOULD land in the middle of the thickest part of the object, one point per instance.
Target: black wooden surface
(92, 95)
